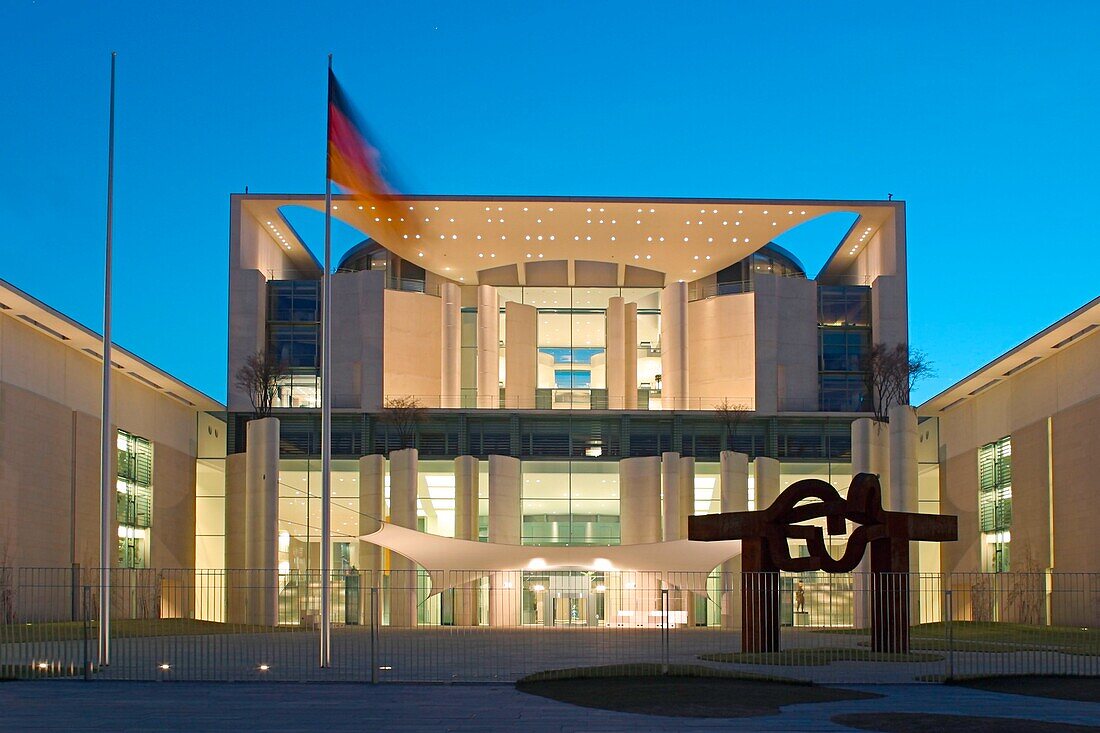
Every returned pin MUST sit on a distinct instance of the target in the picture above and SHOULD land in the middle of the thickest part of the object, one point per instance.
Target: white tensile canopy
(452, 562)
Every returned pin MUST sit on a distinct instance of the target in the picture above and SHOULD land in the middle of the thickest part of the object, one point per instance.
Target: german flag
(354, 163)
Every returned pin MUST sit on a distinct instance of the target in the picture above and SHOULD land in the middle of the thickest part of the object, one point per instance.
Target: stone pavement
(242, 707)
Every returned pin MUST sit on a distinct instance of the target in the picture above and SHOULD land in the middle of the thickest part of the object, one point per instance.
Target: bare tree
(403, 414)
(890, 373)
(259, 376)
(730, 415)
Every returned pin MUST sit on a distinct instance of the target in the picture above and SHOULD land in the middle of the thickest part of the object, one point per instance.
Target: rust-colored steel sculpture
(765, 552)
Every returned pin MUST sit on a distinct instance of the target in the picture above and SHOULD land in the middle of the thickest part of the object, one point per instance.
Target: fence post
(664, 610)
(74, 586)
(87, 664)
(374, 633)
(950, 613)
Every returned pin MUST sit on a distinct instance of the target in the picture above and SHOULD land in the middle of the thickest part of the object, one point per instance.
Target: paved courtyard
(131, 706)
(455, 654)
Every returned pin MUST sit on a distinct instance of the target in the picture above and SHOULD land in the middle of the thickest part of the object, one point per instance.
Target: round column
(450, 379)
(670, 496)
(488, 347)
(766, 481)
(639, 500)
(505, 528)
(734, 487)
(262, 519)
(404, 479)
(467, 479)
(674, 347)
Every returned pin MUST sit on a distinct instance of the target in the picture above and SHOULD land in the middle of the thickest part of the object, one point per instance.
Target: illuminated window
(995, 503)
(134, 499)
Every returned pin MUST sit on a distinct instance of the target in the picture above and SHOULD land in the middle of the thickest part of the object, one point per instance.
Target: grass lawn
(686, 691)
(935, 723)
(818, 656)
(129, 628)
(988, 636)
(1085, 689)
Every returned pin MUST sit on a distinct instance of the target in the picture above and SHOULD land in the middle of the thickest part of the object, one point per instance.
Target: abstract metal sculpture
(765, 552)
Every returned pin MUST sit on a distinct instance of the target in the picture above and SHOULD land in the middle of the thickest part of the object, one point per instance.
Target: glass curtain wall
(299, 538)
(210, 519)
(570, 503)
(572, 343)
(293, 328)
(562, 503)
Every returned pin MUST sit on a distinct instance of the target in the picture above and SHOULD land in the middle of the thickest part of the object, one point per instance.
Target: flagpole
(106, 490)
(326, 404)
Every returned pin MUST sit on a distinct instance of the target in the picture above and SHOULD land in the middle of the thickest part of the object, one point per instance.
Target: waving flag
(354, 163)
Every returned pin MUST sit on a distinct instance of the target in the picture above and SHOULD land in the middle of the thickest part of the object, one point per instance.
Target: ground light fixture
(164, 667)
(264, 667)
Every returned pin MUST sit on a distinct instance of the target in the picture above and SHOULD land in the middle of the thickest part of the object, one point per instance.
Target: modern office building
(592, 371)
(1016, 442)
(50, 393)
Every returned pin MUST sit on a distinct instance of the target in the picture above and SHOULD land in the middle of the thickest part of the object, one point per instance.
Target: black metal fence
(500, 626)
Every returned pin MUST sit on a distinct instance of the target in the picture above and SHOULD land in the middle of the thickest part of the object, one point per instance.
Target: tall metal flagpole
(326, 405)
(106, 490)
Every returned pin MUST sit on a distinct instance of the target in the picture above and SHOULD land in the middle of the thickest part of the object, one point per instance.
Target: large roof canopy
(472, 239)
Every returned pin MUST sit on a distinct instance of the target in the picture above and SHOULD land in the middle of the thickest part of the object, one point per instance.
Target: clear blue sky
(982, 116)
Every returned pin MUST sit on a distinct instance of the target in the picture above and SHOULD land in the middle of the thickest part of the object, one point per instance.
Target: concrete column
(505, 526)
(863, 446)
(630, 337)
(674, 347)
(687, 508)
(466, 501)
(766, 482)
(734, 487)
(450, 372)
(903, 459)
(404, 480)
(236, 520)
(670, 497)
(687, 493)
(640, 500)
(616, 354)
(372, 512)
(262, 519)
(488, 347)
(903, 485)
(520, 355)
(869, 455)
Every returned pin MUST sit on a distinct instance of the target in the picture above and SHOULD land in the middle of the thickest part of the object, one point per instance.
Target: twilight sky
(982, 117)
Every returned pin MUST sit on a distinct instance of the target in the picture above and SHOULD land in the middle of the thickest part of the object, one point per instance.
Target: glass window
(843, 393)
(293, 345)
(995, 503)
(570, 502)
(844, 305)
(293, 301)
(134, 499)
(843, 350)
